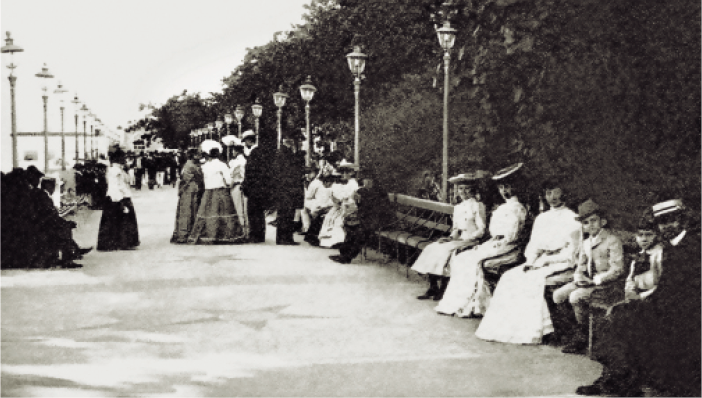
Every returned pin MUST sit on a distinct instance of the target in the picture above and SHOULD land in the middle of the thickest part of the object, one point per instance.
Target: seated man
(655, 342)
(599, 261)
(518, 312)
(373, 211)
(319, 210)
(54, 234)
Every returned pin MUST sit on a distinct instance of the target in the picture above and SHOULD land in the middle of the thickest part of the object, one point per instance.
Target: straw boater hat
(668, 206)
(247, 134)
(508, 173)
(347, 165)
(469, 177)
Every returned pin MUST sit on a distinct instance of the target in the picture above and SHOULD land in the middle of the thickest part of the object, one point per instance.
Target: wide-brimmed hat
(669, 206)
(507, 173)
(469, 177)
(344, 164)
(247, 134)
(32, 171)
(588, 208)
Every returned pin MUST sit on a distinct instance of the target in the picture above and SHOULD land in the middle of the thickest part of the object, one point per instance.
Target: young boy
(599, 260)
(646, 267)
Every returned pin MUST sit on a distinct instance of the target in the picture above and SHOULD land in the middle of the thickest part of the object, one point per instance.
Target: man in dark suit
(257, 187)
(289, 191)
(655, 342)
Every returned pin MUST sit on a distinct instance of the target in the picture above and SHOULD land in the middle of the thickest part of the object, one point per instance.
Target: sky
(116, 54)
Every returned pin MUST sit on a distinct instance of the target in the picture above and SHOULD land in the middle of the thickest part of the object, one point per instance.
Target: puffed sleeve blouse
(507, 220)
(469, 219)
(117, 185)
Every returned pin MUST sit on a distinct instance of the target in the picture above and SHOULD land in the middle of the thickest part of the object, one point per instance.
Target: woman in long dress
(118, 224)
(190, 192)
(237, 166)
(467, 293)
(332, 232)
(217, 221)
(468, 227)
(518, 312)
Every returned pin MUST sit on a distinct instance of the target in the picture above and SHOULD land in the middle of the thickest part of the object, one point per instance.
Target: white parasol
(231, 140)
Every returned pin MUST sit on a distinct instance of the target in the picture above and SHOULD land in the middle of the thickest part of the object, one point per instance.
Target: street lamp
(76, 105)
(307, 91)
(210, 127)
(257, 109)
(10, 48)
(85, 111)
(239, 113)
(92, 125)
(59, 93)
(447, 36)
(279, 99)
(219, 123)
(44, 74)
(357, 63)
(228, 119)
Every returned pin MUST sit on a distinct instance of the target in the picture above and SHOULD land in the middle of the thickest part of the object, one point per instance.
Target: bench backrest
(422, 213)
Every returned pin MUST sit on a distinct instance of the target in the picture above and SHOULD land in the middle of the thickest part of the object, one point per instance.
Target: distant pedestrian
(190, 192)
(118, 225)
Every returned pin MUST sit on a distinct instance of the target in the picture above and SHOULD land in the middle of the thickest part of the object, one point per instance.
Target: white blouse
(552, 232)
(217, 174)
(117, 183)
(344, 191)
(237, 166)
(469, 219)
(507, 220)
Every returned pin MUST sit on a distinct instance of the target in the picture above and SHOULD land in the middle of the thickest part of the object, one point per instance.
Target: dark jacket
(287, 179)
(257, 176)
(374, 208)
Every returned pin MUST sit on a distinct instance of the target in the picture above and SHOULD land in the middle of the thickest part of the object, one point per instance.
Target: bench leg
(590, 334)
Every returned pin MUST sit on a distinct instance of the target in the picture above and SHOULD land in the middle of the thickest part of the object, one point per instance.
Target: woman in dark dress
(190, 192)
(118, 225)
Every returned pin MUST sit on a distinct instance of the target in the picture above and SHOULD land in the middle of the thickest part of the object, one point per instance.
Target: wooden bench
(419, 223)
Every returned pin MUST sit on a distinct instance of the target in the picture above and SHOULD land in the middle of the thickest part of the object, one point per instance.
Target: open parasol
(231, 140)
(207, 146)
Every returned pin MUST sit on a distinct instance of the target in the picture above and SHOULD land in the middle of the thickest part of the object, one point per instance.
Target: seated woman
(518, 312)
(468, 227)
(467, 293)
(342, 193)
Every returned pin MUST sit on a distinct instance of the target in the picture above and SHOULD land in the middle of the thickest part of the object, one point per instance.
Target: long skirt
(118, 226)
(332, 231)
(186, 214)
(467, 293)
(518, 311)
(435, 257)
(217, 222)
(240, 206)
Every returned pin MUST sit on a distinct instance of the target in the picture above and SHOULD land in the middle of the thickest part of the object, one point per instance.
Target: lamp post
(92, 125)
(357, 63)
(219, 123)
(228, 119)
(85, 111)
(447, 36)
(307, 91)
(10, 48)
(210, 127)
(59, 92)
(239, 115)
(76, 103)
(279, 99)
(257, 110)
(44, 74)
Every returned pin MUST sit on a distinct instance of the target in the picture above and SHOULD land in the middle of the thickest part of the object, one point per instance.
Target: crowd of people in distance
(651, 337)
(34, 235)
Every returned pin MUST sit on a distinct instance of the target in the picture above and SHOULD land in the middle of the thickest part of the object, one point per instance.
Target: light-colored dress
(518, 312)
(468, 227)
(467, 293)
(332, 231)
(237, 167)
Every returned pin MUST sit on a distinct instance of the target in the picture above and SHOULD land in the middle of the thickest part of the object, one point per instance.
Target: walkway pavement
(250, 320)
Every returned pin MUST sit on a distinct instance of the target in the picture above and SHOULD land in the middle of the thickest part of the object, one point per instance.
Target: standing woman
(237, 166)
(190, 192)
(217, 222)
(469, 223)
(118, 225)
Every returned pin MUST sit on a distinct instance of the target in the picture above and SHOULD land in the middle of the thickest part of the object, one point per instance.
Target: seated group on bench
(652, 336)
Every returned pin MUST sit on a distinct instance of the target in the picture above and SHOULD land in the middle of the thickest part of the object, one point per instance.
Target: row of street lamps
(11, 48)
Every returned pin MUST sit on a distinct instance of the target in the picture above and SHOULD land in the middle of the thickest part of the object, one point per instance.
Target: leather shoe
(428, 295)
(593, 389)
(287, 243)
(86, 250)
(339, 259)
(576, 347)
(70, 264)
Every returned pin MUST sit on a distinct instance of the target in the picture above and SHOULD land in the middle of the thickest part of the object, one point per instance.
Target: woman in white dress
(518, 312)
(237, 166)
(467, 293)
(468, 227)
(342, 194)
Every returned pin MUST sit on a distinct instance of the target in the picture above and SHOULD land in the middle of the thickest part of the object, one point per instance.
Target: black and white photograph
(350, 198)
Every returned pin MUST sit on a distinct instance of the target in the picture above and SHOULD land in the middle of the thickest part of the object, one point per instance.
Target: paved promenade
(249, 320)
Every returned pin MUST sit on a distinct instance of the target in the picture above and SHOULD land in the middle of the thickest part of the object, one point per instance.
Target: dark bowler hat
(32, 171)
(588, 208)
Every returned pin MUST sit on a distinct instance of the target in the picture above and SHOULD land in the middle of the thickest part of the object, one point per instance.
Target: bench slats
(424, 223)
(406, 200)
